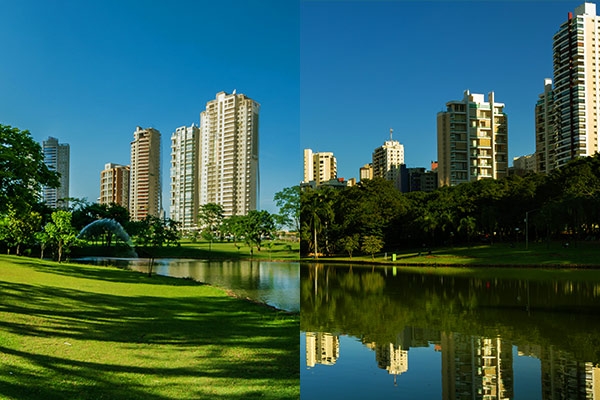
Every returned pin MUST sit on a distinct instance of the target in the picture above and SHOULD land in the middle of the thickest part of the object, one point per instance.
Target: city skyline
(150, 65)
(395, 65)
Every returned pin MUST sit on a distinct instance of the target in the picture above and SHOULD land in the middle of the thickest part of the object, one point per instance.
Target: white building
(185, 145)
(387, 161)
(229, 167)
(57, 158)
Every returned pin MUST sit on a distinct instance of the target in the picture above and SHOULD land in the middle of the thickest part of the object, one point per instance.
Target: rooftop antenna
(391, 131)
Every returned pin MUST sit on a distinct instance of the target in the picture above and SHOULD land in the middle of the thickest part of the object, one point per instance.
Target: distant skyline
(89, 73)
(395, 64)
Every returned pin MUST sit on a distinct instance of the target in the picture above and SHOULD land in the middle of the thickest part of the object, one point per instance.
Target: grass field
(271, 250)
(582, 254)
(83, 332)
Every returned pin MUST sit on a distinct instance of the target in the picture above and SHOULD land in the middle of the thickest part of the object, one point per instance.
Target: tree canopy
(22, 170)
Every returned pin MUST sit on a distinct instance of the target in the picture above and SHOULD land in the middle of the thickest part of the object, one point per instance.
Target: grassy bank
(271, 250)
(84, 332)
(582, 254)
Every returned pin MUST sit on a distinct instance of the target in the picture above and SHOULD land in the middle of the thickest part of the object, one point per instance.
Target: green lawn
(582, 254)
(83, 332)
(276, 250)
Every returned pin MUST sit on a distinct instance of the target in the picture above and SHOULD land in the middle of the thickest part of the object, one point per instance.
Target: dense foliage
(563, 205)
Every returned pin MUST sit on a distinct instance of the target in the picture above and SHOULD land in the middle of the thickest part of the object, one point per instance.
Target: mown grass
(576, 255)
(276, 250)
(84, 332)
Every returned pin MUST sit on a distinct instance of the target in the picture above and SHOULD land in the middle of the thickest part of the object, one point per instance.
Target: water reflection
(491, 339)
(270, 282)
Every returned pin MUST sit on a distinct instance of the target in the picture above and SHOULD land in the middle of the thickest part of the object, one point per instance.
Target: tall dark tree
(22, 170)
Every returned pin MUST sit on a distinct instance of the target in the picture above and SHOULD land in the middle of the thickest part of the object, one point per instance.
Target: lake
(384, 333)
(273, 283)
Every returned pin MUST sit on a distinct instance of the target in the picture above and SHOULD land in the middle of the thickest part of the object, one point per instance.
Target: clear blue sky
(331, 76)
(89, 72)
(367, 67)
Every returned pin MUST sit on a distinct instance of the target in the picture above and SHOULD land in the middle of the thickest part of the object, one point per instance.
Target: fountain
(109, 227)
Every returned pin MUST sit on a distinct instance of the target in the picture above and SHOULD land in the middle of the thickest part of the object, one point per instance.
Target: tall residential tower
(472, 139)
(576, 49)
(145, 191)
(57, 158)
(228, 167)
(185, 145)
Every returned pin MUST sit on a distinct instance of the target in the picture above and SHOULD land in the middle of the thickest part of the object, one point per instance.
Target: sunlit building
(57, 158)
(319, 167)
(114, 185)
(145, 189)
(387, 161)
(228, 153)
(472, 139)
(185, 146)
(576, 93)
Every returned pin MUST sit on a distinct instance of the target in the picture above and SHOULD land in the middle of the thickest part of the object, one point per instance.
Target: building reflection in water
(473, 367)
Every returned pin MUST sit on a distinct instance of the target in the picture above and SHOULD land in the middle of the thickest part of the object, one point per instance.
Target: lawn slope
(84, 332)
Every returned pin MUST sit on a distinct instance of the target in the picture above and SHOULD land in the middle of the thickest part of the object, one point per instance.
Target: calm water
(273, 283)
(390, 335)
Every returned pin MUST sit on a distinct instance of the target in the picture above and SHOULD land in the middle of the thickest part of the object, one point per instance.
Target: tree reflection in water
(473, 323)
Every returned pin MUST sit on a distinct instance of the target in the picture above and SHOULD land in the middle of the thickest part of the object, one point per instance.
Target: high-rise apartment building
(229, 168)
(185, 146)
(387, 161)
(57, 158)
(319, 167)
(576, 94)
(544, 130)
(472, 139)
(145, 190)
(114, 185)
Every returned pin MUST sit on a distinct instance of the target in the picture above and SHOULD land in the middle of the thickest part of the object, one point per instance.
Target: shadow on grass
(206, 325)
(109, 273)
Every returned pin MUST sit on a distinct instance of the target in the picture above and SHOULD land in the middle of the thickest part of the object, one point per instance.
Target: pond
(273, 283)
(390, 334)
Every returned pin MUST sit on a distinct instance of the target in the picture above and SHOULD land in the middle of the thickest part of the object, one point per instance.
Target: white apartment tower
(544, 130)
(145, 196)
(114, 185)
(472, 139)
(319, 167)
(185, 145)
(576, 50)
(57, 158)
(228, 167)
(387, 161)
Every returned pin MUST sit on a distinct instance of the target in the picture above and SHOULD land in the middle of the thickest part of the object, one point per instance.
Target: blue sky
(331, 76)
(89, 72)
(367, 67)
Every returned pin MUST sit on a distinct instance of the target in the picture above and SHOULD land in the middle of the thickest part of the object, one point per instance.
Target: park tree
(255, 226)
(350, 243)
(371, 245)
(317, 213)
(288, 201)
(210, 217)
(22, 170)
(61, 233)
